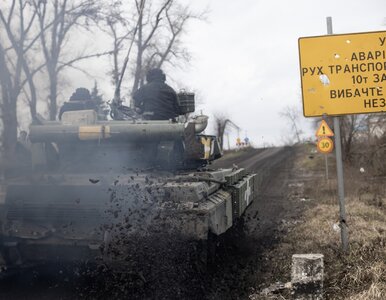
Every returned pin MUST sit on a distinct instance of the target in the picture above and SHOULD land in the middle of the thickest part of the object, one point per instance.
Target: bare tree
(9, 95)
(222, 123)
(60, 17)
(17, 20)
(171, 48)
(156, 30)
(349, 126)
(368, 147)
(115, 24)
(292, 115)
(363, 139)
(375, 125)
(158, 35)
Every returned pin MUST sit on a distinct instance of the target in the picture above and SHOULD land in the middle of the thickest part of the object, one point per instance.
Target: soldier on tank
(156, 100)
(79, 100)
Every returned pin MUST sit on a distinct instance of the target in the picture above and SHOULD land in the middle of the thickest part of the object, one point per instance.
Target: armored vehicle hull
(95, 187)
(80, 217)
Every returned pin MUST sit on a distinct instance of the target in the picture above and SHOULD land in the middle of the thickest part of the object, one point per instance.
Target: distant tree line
(363, 137)
(41, 39)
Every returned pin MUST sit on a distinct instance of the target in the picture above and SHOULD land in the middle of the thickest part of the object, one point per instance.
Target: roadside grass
(361, 272)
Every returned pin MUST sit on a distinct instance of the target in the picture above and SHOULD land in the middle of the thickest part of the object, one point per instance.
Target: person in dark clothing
(156, 100)
(79, 100)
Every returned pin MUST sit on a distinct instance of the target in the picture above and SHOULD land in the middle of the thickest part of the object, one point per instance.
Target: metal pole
(326, 161)
(339, 171)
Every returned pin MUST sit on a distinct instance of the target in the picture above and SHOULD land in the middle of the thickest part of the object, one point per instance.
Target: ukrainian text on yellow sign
(343, 74)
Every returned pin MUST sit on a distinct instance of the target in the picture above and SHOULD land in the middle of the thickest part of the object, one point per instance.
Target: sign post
(342, 74)
(339, 170)
(326, 164)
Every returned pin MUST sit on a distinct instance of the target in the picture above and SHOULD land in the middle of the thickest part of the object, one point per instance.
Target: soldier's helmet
(81, 94)
(155, 75)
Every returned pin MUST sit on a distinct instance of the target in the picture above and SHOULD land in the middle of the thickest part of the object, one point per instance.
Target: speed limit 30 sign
(325, 145)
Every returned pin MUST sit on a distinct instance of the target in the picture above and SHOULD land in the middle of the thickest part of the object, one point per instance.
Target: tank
(93, 185)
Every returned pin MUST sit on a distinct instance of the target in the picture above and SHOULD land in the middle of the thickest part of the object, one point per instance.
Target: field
(360, 273)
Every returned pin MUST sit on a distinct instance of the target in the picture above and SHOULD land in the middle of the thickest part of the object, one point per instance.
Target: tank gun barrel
(125, 132)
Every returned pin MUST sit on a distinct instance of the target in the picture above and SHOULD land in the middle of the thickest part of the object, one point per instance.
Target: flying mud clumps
(143, 254)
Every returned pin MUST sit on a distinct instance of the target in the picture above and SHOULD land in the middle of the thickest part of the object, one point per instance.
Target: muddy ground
(240, 267)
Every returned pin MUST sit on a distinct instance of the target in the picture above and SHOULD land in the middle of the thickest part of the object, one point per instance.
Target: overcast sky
(246, 55)
(245, 58)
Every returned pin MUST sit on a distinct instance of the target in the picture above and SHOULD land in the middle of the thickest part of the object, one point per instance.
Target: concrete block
(307, 276)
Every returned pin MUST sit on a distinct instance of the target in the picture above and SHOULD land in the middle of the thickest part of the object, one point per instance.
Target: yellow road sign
(325, 145)
(324, 130)
(343, 74)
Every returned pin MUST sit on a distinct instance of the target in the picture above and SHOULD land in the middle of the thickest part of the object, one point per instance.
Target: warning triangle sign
(324, 130)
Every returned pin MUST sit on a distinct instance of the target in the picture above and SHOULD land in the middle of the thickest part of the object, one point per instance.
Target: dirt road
(239, 264)
(243, 265)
